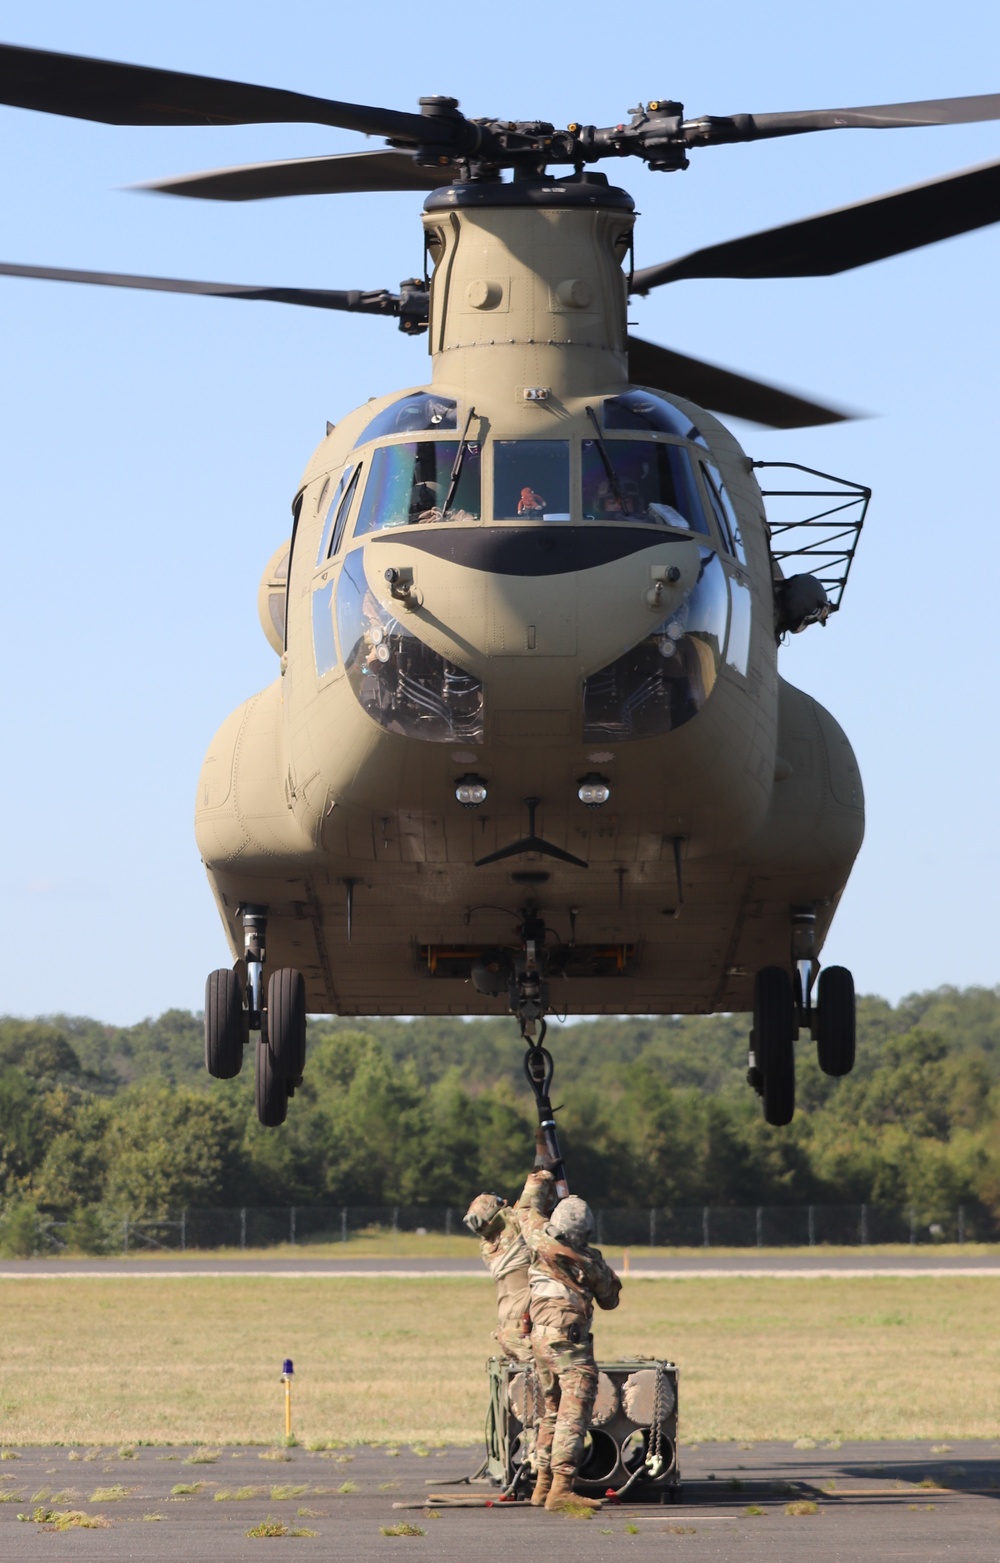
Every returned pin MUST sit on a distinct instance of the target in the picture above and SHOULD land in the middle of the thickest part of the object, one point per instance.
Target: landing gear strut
(278, 1013)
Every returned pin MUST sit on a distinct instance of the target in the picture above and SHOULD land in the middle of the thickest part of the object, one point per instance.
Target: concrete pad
(885, 1501)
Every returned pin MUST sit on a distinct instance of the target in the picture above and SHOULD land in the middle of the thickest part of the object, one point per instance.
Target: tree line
(655, 1112)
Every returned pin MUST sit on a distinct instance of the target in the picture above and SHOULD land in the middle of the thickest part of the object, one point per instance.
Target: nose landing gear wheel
(270, 1088)
(227, 1028)
(835, 1021)
(286, 1022)
(774, 1042)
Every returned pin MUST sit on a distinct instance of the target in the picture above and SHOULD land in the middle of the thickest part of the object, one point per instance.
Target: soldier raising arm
(506, 1256)
(566, 1278)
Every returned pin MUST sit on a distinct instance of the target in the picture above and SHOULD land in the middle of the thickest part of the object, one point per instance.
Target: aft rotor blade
(352, 171)
(117, 94)
(712, 131)
(847, 236)
(376, 303)
(724, 391)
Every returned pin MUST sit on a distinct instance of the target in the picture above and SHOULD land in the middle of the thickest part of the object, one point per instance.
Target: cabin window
(724, 509)
(324, 645)
(665, 680)
(402, 684)
(648, 481)
(336, 513)
(410, 415)
(646, 410)
(409, 484)
(738, 649)
(531, 480)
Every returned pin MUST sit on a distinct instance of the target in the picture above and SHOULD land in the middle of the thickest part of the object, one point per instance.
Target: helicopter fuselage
(513, 592)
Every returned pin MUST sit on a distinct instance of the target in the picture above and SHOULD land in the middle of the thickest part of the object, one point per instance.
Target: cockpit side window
(531, 480)
(648, 481)
(410, 483)
(410, 415)
(343, 511)
(333, 511)
(725, 512)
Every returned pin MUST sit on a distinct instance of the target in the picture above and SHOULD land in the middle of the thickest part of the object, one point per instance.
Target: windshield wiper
(456, 471)
(612, 476)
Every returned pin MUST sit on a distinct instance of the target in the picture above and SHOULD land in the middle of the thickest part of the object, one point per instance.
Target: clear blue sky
(151, 445)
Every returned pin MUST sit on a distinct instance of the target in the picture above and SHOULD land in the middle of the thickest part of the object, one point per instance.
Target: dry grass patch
(239, 1494)
(271, 1527)
(404, 1528)
(802, 1506)
(112, 1494)
(65, 1519)
(413, 1378)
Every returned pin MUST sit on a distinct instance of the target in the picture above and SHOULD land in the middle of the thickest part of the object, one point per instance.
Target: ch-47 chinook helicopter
(528, 745)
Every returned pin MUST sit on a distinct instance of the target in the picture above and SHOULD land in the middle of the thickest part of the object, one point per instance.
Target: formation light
(470, 791)
(593, 790)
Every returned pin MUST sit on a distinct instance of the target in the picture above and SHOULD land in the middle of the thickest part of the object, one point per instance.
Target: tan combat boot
(543, 1481)
(562, 1496)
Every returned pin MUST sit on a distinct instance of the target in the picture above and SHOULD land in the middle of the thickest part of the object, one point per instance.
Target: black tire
(270, 1088)
(835, 1021)
(286, 1022)
(226, 1025)
(774, 1040)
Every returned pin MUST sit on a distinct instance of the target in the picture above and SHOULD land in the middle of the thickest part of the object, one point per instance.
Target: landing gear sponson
(235, 1006)
(783, 1004)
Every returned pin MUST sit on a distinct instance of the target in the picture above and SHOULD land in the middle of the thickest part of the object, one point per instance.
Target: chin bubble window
(640, 480)
(411, 484)
(665, 680)
(531, 480)
(402, 684)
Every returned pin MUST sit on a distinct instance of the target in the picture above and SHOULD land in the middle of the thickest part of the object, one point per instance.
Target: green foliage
(428, 1110)
(21, 1233)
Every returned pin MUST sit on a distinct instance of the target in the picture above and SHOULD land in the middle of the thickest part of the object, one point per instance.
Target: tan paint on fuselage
(301, 790)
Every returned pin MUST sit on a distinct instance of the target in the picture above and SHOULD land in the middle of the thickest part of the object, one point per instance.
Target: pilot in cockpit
(530, 503)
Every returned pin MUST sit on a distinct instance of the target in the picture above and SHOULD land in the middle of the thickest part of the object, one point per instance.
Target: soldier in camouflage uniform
(505, 1255)
(566, 1278)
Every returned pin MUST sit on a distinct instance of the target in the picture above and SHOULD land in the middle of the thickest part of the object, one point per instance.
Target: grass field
(384, 1244)
(197, 1360)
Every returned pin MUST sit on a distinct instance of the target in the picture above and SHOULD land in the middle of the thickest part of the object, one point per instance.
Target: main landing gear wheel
(270, 1087)
(286, 1022)
(835, 1021)
(774, 1042)
(227, 1029)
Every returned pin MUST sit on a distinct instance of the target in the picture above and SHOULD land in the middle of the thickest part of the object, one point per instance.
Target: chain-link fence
(390, 1229)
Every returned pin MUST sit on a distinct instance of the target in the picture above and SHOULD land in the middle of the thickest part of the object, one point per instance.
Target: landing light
(593, 790)
(470, 791)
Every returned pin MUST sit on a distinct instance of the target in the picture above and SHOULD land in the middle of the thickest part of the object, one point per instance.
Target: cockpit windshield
(646, 410)
(531, 480)
(640, 480)
(410, 483)
(410, 415)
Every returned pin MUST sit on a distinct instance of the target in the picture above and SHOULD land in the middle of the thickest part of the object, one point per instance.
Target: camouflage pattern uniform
(505, 1255)
(566, 1278)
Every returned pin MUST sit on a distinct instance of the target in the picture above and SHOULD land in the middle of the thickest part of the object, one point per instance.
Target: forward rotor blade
(375, 303)
(723, 391)
(848, 236)
(116, 94)
(308, 176)
(712, 131)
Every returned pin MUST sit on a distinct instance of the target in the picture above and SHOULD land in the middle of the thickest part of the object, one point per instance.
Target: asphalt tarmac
(880, 1501)
(796, 1263)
